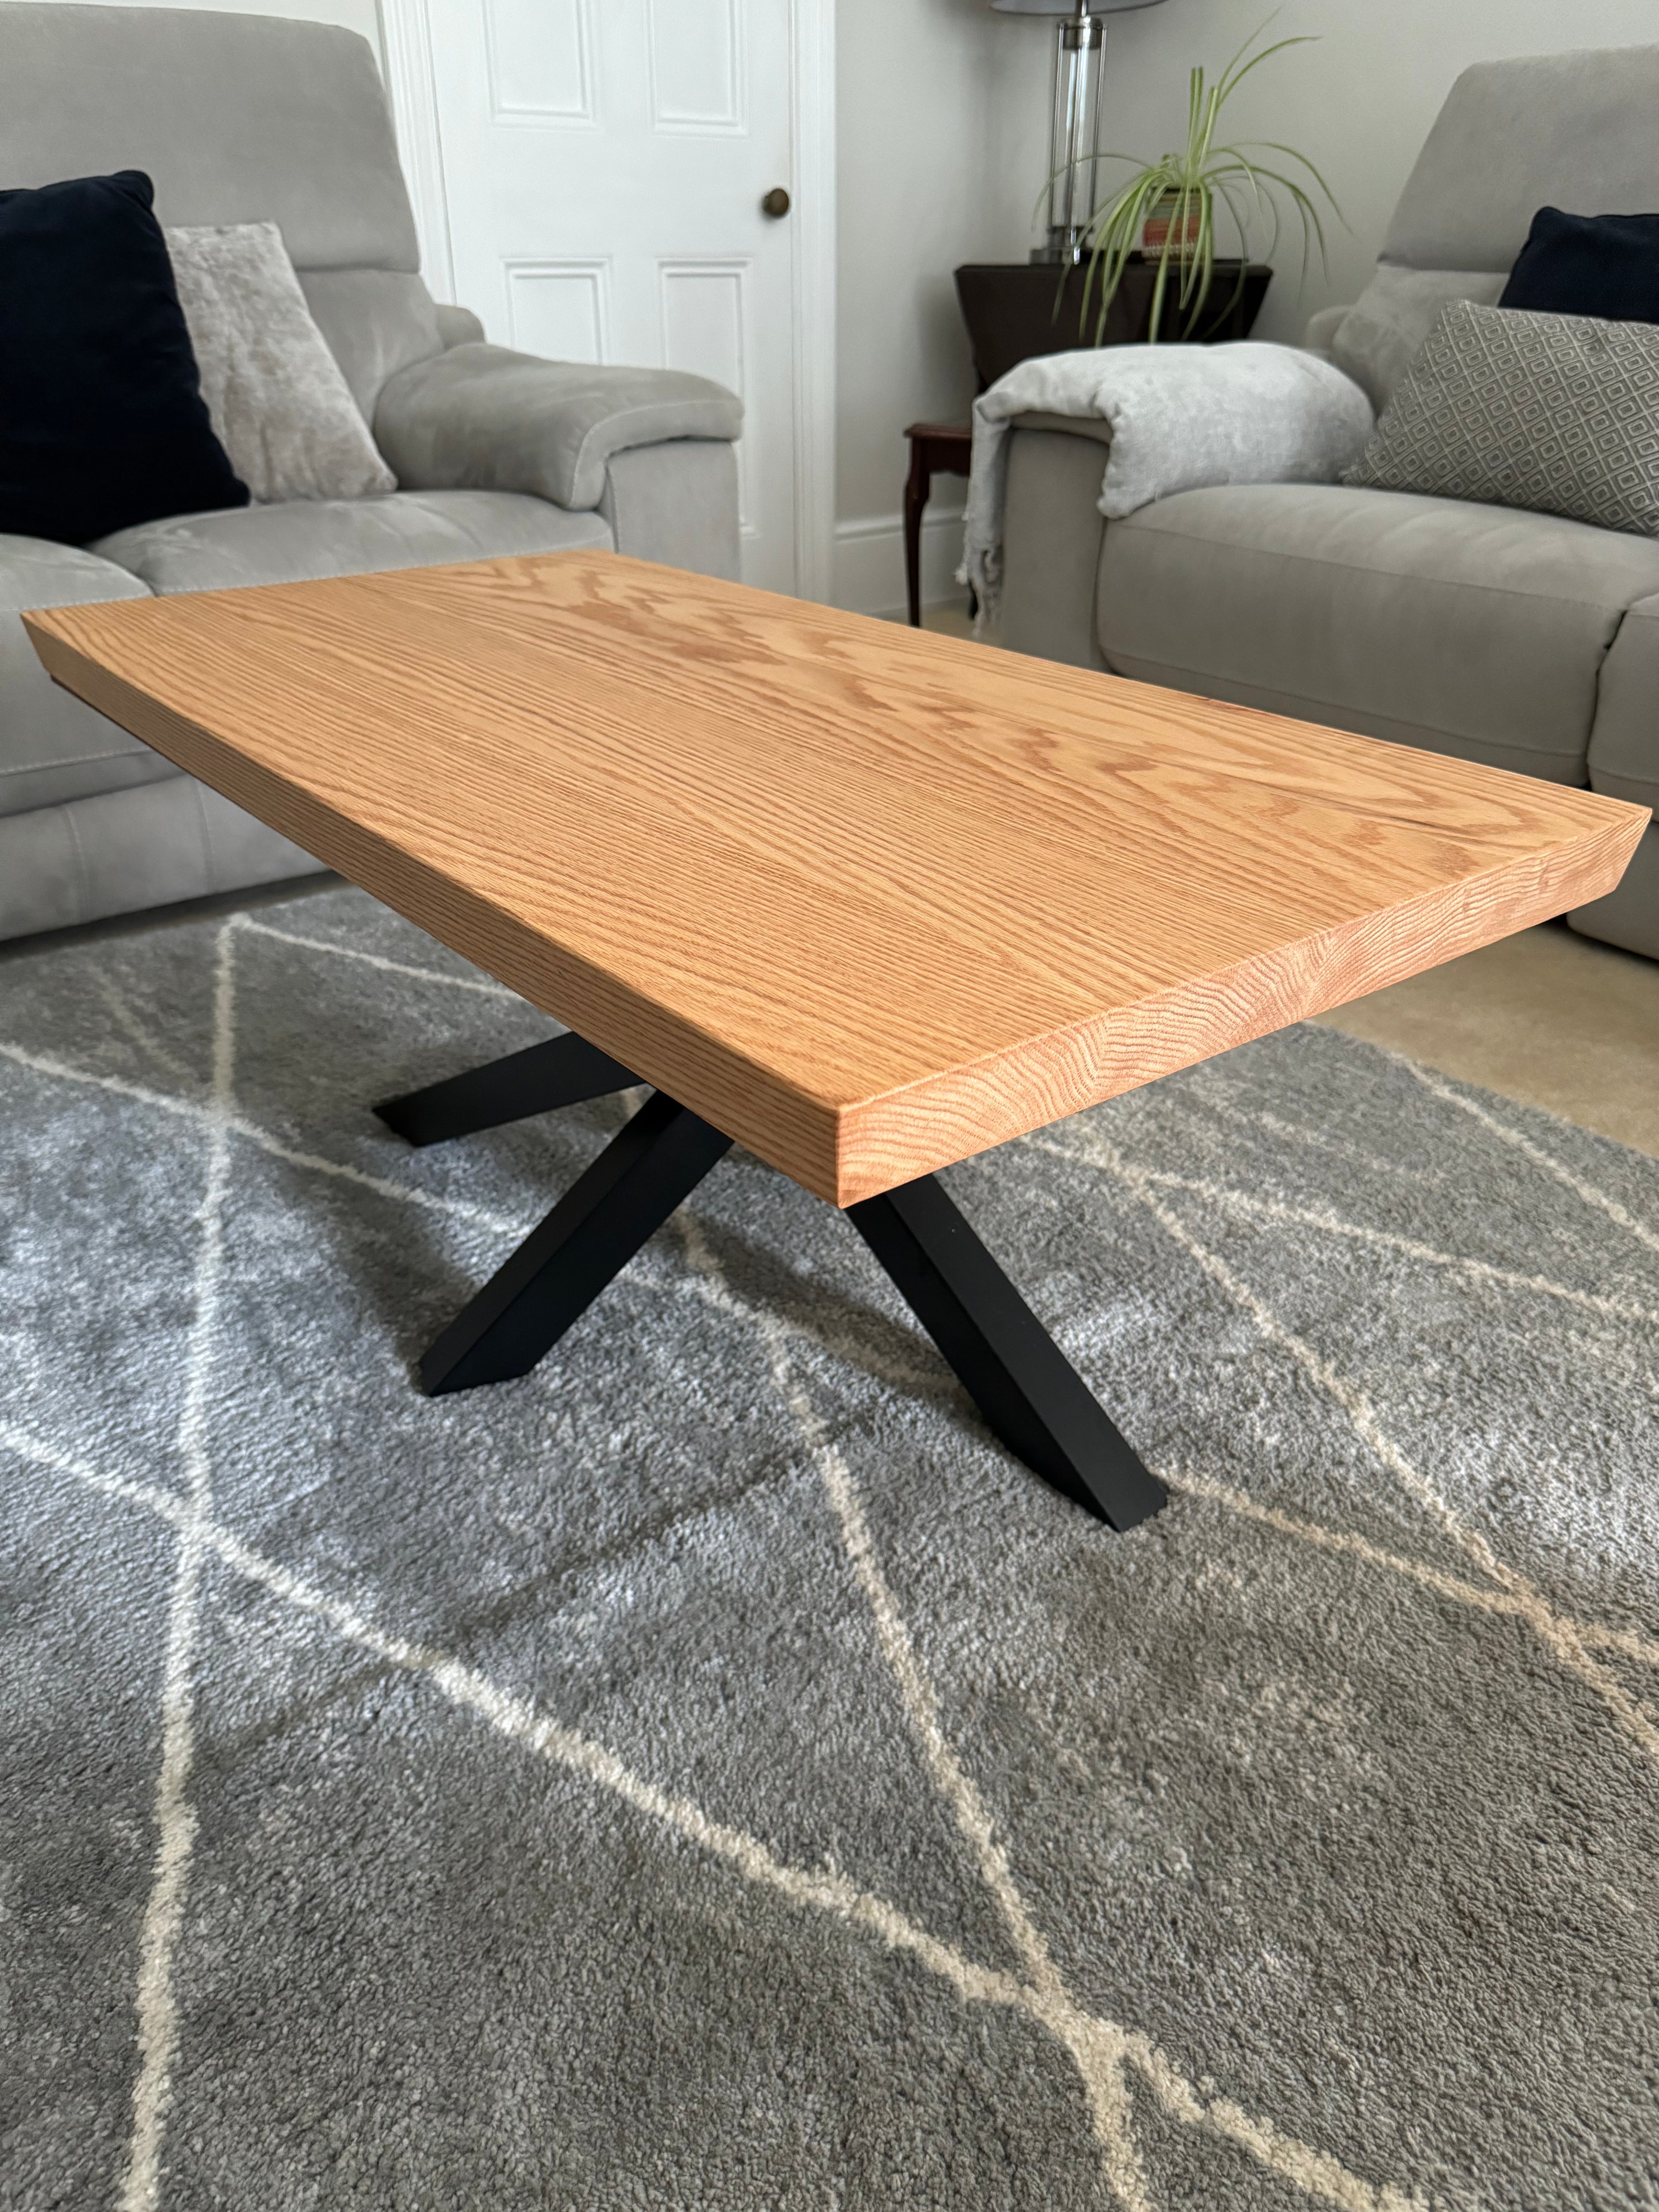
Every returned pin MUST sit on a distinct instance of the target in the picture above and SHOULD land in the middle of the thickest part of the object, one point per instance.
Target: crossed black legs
(1029, 1394)
(561, 1071)
(591, 1235)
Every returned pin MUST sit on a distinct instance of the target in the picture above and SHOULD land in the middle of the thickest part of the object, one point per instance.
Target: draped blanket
(1180, 417)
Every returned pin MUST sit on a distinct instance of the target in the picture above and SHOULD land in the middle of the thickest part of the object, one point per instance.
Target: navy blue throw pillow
(1606, 266)
(102, 422)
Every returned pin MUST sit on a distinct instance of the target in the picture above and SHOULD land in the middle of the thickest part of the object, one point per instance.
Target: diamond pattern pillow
(1557, 413)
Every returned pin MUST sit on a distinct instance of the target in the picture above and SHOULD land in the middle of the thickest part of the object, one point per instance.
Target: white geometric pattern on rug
(1104, 2052)
(1100, 2049)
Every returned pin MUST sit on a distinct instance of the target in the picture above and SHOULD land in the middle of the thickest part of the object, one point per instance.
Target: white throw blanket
(1182, 417)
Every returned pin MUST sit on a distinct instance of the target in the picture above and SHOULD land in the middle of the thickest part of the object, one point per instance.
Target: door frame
(406, 33)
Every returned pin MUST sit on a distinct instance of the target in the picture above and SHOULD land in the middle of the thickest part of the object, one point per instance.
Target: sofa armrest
(1065, 426)
(1169, 419)
(1323, 328)
(481, 418)
(458, 325)
(1184, 418)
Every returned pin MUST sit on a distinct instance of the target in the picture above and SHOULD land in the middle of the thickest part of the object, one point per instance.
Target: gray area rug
(711, 1772)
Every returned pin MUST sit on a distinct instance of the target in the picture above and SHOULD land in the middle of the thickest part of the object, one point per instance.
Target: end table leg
(916, 489)
(1028, 1392)
(562, 1070)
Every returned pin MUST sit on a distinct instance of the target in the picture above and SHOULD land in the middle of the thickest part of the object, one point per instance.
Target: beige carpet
(1548, 1017)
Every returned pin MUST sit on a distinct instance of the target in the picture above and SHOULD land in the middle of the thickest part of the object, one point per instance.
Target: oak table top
(868, 899)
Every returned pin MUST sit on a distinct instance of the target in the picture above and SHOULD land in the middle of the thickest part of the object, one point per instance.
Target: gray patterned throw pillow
(1557, 413)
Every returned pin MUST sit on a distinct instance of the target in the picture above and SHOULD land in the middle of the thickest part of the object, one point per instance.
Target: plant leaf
(1113, 232)
(1224, 193)
(1192, 181)
(1274, 147)
(1238, 69)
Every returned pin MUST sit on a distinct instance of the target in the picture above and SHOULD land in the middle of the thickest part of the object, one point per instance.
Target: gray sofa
(1518, 639)
(243, 119)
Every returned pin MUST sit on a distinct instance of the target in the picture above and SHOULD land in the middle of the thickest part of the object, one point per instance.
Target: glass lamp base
(1065, 249)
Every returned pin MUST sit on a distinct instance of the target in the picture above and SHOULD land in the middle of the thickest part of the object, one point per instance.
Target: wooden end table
(936, 449)
(1016, 310)
(865, 899)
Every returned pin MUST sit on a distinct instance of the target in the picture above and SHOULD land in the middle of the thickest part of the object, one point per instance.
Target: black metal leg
(561, 1071)
(591, 1235)
(1030, 1393)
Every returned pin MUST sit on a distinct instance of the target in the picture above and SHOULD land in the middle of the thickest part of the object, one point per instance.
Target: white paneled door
(604, 164)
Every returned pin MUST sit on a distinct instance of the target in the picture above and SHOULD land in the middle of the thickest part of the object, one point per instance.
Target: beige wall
(940, 130)
(1359, 103)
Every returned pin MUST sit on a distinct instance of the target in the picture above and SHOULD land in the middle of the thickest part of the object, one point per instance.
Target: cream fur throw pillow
(280, 406)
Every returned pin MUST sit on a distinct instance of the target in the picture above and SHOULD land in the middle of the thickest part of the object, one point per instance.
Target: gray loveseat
(242, 119)
(1519, 639)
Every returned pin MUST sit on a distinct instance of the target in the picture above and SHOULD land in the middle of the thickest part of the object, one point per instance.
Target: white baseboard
(869, 564)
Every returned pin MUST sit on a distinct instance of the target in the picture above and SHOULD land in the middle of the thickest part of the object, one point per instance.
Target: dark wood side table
(1016, 310)
(941, 448)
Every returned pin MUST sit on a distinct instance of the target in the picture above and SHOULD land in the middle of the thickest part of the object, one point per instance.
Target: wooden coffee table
(860, 898)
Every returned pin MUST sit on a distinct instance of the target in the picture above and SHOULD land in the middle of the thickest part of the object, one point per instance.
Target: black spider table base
(1028, 1392)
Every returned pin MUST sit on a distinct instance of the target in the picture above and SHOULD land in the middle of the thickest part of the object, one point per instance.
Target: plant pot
(1161, 226)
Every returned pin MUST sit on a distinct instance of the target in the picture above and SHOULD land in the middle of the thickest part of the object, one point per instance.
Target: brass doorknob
(776, 202)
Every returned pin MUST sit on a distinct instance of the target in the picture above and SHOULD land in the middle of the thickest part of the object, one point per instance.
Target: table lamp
(1074, 115)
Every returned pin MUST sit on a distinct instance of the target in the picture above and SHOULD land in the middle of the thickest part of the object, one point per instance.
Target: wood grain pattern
(868, 899)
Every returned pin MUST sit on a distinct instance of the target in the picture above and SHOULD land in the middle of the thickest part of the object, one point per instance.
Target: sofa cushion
(306, 538)
(1624, 747)
(238, 117)
(51, 746)
(102, 423)
(1475, 630)
(1606, 266)
(1558, 414)
(376, 321)
(1385, 330)
(1571, 128)
(279, 399)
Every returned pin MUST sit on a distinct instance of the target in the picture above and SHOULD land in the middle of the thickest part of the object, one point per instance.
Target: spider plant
(1186, 186)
